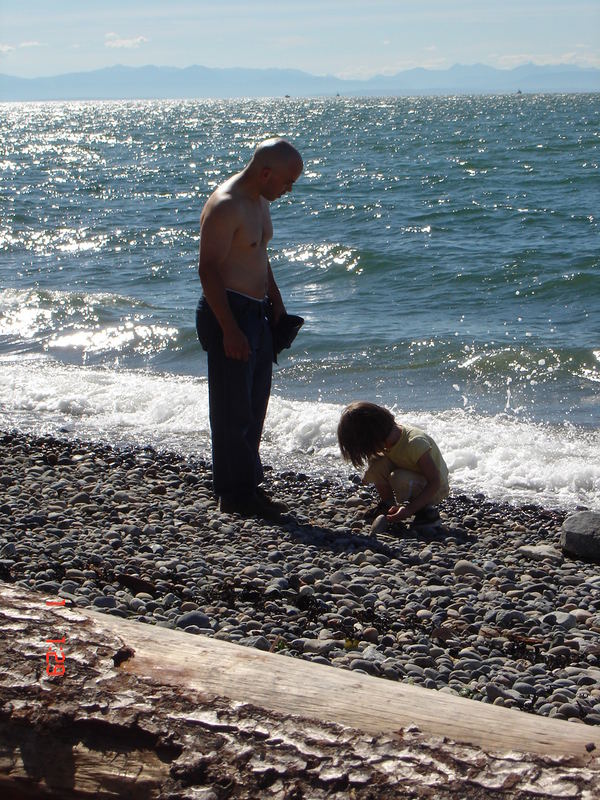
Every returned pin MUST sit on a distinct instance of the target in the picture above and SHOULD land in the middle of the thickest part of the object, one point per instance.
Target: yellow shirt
(406, 452)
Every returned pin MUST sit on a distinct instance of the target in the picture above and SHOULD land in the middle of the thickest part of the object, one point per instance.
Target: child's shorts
(405, 483)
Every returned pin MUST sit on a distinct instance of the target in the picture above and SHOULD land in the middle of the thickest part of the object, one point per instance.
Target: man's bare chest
(254, 229)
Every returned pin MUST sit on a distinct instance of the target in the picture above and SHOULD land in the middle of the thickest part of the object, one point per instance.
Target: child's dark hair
(362, 431)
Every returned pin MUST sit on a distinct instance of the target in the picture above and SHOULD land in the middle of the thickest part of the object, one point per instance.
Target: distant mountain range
(123, 83)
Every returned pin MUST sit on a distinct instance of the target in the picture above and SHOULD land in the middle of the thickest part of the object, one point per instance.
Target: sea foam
(506, 459)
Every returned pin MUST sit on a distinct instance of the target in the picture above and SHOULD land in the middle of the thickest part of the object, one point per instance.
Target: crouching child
(403, 462)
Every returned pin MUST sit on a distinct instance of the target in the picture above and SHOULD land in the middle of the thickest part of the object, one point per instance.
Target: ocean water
(445, 253)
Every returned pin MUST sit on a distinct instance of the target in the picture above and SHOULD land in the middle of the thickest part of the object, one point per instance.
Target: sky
(346, 38)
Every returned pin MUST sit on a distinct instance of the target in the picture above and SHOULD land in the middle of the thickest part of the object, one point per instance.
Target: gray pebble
(193, 618)
(104, 602)
(463, 567)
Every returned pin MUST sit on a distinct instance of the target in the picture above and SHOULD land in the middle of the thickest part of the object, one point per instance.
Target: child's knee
(378, 470)
(406, 484)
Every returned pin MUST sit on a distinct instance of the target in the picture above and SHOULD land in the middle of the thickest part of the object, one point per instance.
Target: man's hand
(236, 345)
(277, 311)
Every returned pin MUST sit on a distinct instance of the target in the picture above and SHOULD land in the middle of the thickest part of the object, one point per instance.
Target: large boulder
(580, 535)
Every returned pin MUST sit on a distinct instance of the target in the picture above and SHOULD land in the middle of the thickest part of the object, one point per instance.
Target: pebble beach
(484, 606)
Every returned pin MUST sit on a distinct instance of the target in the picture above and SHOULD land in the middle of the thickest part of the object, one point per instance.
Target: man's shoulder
(226, 192)
(222, 204)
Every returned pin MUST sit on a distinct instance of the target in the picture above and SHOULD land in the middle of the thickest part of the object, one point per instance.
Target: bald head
(276, 154)
(273, 169)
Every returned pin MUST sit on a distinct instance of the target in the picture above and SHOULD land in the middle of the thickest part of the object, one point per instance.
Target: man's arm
(216, 235)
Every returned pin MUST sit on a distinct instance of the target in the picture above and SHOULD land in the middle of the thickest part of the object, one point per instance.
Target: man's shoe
(276, 504)
(269, 509)
(244, 506)
(252, 506)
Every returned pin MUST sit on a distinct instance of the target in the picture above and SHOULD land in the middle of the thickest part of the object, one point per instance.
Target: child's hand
(382, 507)
(397, 513)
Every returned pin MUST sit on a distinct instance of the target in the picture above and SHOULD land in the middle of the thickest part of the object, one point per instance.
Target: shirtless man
(237, 282)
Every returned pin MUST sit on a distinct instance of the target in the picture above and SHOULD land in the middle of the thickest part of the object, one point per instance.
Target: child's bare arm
(385, 492)
(431, 474)
(386, 498)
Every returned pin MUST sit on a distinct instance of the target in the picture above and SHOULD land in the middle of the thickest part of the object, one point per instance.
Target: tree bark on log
(92, 705)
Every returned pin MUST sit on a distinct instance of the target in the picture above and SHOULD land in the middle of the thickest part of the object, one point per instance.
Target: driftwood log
(96, 706)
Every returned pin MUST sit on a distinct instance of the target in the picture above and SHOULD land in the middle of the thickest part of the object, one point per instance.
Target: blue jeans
(238, 395)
